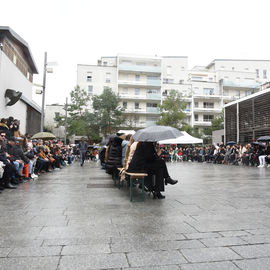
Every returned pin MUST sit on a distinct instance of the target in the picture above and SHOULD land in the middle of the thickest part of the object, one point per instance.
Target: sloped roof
(23, 44)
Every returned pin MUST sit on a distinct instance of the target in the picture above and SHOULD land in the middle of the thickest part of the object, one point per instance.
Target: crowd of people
(253, 154)
(23, 158)
(123, 152)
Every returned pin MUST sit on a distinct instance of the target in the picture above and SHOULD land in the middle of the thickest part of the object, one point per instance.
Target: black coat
(145, 153)
(115, 154)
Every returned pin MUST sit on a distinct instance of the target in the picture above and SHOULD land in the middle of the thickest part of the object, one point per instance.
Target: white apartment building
(51, 112)
(142, 82)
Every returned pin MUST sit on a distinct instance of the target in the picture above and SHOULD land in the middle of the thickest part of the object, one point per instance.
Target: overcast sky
(81, 31)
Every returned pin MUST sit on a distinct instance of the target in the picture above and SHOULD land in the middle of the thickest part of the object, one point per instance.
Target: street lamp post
(43, 92)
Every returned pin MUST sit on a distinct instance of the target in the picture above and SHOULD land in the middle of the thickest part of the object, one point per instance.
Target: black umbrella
(264, 139)
(156, 133)
(231, 143)
(259, 143)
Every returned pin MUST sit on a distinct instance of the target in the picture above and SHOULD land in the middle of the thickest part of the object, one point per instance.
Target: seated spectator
(4, 127)
(147, 159)
(9, 169)
(14, 156)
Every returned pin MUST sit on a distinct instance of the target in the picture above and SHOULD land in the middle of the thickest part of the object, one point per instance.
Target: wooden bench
(133, 178)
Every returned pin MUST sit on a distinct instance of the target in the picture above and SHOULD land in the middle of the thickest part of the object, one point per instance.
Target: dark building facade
(248, 118)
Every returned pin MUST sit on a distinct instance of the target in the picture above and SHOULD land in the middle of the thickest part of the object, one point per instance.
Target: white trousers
(262, 160)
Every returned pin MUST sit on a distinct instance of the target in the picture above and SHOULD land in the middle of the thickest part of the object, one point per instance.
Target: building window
(105, 63)
(208, 105)
(137, 77)
(89, 78)
(237, 93)
(196, 104)
(90, 89)
(208, 91)
(151, 105)
(125, 91)
(124, 104)
(152, 91)
(257, 73)
(153, 78)
(181, 81)
(169, 70)
(232, 68)
(265, 74)
(247, 93)
(196, 78)
(108, 77)
(137, 91)
(208, 118)
(137, 105)
(196, 117)
(166, 80)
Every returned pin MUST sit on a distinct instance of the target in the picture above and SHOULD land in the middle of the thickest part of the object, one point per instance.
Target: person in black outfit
(147, 159)
(114, 151)
(9, 169)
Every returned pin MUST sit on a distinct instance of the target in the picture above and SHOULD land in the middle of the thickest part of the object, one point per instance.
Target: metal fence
(248, 119)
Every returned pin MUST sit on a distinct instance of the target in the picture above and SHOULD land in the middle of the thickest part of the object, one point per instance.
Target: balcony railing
(202, 123)
(150, 123)
(151, 83)
(141, 97)
(152, 110)
(213, 110)
(139, 68)
(241, 84)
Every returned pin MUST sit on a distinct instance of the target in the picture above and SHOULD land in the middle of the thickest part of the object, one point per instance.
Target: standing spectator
(83, 148)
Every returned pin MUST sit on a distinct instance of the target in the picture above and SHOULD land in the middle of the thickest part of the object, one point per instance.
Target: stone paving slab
(215, 218)
(155, 258)
(35, 252)
(253, 251)
(96, 261)
(29, 263)
(209, 254)
(210, 266)
(254, 264)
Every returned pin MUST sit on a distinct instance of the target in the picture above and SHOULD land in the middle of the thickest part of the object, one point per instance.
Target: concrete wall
(12, 78)
(217, 136)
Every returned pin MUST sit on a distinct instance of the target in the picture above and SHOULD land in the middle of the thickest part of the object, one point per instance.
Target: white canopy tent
(132, 132)
(185, 139)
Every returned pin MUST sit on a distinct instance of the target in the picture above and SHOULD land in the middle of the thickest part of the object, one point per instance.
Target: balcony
(200, 96)
(241, 84)
(141, 97)
(139, 68)
(150, 123)
(153, 96)
(187, 112)
(231, 97)
(152, 110)
(148, 83)
(147, 110)
(202, 123)
(210, 110)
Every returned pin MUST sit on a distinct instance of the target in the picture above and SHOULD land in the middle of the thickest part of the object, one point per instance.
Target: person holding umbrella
(147, 159)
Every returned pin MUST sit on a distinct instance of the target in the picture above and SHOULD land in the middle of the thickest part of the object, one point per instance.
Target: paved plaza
(216, 218)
